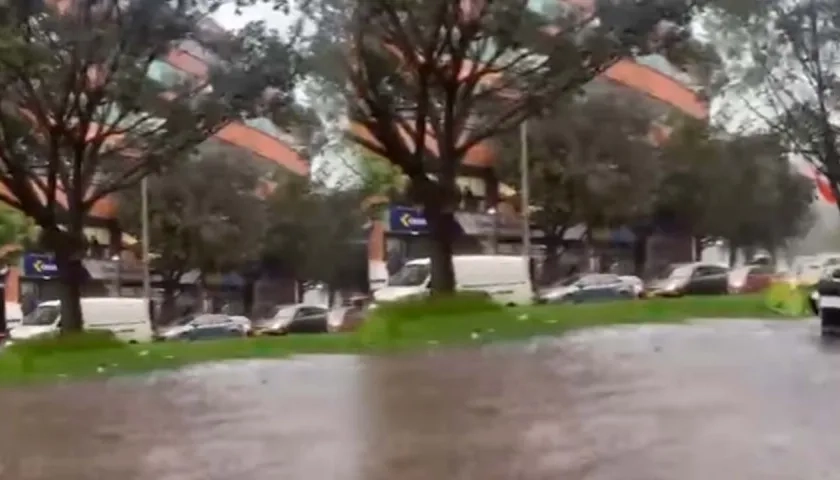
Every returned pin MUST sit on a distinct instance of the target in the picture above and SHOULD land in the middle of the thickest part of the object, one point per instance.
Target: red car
(751, 278)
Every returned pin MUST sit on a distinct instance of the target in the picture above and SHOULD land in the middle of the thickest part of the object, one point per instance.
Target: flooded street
(746, 400)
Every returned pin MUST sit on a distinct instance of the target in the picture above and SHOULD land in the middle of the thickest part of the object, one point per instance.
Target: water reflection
(754, 400)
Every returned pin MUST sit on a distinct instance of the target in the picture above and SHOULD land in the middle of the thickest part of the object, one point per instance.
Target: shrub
(454, 304)
(392, 321)
(67, 343)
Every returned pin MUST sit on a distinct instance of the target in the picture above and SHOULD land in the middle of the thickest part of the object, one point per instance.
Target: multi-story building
(400, 234)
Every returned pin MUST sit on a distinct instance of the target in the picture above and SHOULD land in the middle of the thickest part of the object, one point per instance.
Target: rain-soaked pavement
(735, 400)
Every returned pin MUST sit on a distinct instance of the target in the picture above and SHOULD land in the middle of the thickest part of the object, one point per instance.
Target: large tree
(737, 187)
(205, 214)
(592, 162)
(88, 109)
(428, 81)
(781, 58)
(314, 232)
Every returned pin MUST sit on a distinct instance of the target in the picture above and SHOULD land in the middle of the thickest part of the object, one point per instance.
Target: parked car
(298, 318)
(206, 326)
(345, 319)
(691, 279)
(809, 270)
(751, 278)
(637, 286)
(824, 301)
(593, 287)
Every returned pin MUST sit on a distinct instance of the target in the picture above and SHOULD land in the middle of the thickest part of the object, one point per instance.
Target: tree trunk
(68, 249)
(71, 275)
(551, 265)
(248, 296)
(640, 248)
(330, 295)
(441, 237)
(697, 244)
(168, 308)
(733, 254)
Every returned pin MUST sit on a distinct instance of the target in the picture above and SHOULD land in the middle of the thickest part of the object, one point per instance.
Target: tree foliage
(781, 57)
(16, 233)
(592, 163)
(205, 214)
(88, 108)
(741, 188)
(312, 232)
(428, 81)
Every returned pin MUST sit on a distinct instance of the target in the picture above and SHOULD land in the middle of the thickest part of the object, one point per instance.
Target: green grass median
(418, 324)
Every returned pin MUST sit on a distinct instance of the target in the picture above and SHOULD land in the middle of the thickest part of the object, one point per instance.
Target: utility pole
(525, 195)
(144, 222)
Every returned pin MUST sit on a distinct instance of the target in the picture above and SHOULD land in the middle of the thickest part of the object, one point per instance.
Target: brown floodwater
(738, 400)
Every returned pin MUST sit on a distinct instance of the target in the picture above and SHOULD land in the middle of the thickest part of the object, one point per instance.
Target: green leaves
(738, 187)
(205, 212)
(85, 95)
(591, 162)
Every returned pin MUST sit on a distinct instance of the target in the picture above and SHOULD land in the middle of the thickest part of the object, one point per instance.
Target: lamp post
(117, 274)
(144, 222)
(494, 229)
(526, 195)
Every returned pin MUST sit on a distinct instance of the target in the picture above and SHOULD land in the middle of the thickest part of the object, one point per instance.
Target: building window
(166, 74)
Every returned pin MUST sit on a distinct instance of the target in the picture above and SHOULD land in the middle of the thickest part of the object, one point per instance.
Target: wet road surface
(736, 400)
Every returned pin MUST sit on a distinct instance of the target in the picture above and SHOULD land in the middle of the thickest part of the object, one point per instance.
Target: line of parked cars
(504, 278)
(678, 280)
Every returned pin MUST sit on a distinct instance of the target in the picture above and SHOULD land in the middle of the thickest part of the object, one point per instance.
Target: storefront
(39, 277)
(406, 237)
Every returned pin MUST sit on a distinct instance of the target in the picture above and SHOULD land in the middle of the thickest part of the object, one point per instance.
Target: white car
(591, 287)
(299, 318)
(190, 326)
(636, 285)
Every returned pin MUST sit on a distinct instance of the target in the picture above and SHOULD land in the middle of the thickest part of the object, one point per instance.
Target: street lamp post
(494, 229)
(526, 195)
(144, 222)
(117, 259)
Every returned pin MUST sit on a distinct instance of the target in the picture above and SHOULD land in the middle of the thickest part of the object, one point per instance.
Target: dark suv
(827, 303)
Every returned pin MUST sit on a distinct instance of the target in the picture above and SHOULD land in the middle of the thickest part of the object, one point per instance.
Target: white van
(505, 278)
(127, 318)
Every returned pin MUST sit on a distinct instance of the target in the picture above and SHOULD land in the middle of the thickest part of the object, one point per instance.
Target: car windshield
(679, 271)
(568, 282)
(42, 315)
(284, 312)
(411, 275)
(209, 319)
(184, 320)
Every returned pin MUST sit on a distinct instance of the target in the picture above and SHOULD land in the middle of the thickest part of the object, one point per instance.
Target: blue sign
(406, 220)
(39, 265)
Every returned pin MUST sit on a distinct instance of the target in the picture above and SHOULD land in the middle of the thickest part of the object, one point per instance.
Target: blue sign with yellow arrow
(39, 265)
(406, 220)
